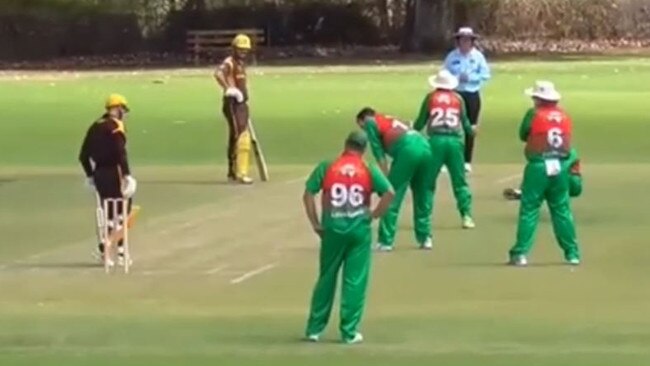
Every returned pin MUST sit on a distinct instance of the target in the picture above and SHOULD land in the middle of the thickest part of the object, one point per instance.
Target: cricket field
(223, 273)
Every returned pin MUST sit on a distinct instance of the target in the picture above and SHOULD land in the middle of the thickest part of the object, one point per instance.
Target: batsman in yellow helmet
(103, 158)
(231, 76)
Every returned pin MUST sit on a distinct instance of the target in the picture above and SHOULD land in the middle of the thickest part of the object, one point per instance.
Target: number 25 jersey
(346, 185)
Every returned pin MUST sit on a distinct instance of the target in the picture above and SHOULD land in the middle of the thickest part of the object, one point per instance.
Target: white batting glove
(235, 93)
(130, 186)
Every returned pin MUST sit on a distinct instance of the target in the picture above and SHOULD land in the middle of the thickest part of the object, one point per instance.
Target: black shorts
(108, 182)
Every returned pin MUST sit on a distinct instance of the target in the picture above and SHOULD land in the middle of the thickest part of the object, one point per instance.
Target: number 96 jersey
(347, 185)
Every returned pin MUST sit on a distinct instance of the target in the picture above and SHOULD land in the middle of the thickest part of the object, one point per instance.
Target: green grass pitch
(223, 274)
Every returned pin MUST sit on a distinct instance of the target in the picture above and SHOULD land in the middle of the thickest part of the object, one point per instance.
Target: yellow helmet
(116, 100)
(242, 41)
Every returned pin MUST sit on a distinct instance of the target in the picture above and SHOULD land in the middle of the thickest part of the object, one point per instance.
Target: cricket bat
(259, 155)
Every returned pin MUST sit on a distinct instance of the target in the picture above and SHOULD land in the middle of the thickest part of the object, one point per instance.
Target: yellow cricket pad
(243, 154)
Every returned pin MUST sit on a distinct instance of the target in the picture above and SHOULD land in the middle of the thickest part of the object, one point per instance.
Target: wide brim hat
(465, 32)
(443, 80)
(544, 90)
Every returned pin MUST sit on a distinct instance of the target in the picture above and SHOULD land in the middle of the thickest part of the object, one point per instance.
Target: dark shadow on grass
(505, 265)
(7, 181)
(409, 228)
(58, 265)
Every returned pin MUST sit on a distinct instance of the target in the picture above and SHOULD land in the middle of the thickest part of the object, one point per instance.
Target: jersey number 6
(341, 195)
(555, 138)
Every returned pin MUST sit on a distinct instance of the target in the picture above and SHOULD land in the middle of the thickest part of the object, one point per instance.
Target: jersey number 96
(342, 195)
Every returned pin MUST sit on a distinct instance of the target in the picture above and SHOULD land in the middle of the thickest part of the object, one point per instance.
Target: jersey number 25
(448, 117)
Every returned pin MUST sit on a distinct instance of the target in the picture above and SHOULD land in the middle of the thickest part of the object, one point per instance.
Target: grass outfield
(223, 273)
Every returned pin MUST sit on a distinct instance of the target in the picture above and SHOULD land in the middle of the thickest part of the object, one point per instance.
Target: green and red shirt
(547, 133)
(347, 185)
(388, 135)
(443, 113)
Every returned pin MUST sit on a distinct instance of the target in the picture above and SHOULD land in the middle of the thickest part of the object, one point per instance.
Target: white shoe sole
(313, 338)
(383, 248)
(358, 338)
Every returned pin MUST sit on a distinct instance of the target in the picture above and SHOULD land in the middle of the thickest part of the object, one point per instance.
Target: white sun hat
(443, 80)
(465, 32)
(544, 90)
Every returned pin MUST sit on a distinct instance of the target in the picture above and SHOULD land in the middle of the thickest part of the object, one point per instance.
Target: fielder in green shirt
(346, 185)
(444, 116)
(547, 131)
(411, 166)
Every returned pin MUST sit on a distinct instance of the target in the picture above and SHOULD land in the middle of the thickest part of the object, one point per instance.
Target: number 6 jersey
(346, 185)
(547, 133)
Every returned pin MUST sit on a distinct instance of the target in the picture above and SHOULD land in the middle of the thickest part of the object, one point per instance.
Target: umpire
(104, 159)
(469, 65)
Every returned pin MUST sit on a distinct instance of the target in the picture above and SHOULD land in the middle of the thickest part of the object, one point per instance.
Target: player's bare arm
(309, 201)
(220, 76)
(383, 204)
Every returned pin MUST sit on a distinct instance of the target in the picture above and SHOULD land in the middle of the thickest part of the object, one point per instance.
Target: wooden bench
(212, 42)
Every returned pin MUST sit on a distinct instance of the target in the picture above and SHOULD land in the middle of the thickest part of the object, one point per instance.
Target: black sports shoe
(512, 194)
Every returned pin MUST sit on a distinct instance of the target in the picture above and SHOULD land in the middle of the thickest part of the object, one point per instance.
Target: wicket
(112, 221)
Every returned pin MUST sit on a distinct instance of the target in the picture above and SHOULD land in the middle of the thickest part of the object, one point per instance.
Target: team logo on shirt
(443, 98)
(348, 170)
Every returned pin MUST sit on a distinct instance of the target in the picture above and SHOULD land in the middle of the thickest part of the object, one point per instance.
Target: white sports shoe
(468, 223)
(383, 248)
(468, 168)
(358, 338)
(245, 180)
(313, 338)
(444, 169)
(427, 245)
(574, 261)
(518, 261)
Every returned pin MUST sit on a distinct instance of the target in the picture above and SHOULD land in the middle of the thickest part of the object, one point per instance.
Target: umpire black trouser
(473, 105)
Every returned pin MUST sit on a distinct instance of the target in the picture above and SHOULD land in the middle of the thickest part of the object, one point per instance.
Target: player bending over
(411, 166)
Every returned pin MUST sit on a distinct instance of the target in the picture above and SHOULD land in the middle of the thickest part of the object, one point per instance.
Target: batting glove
(235, 93)
(130, 186)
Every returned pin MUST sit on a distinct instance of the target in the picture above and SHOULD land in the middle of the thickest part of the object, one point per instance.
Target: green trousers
(411, 167)
(352, 252)
(450, 152)
(537, 187)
